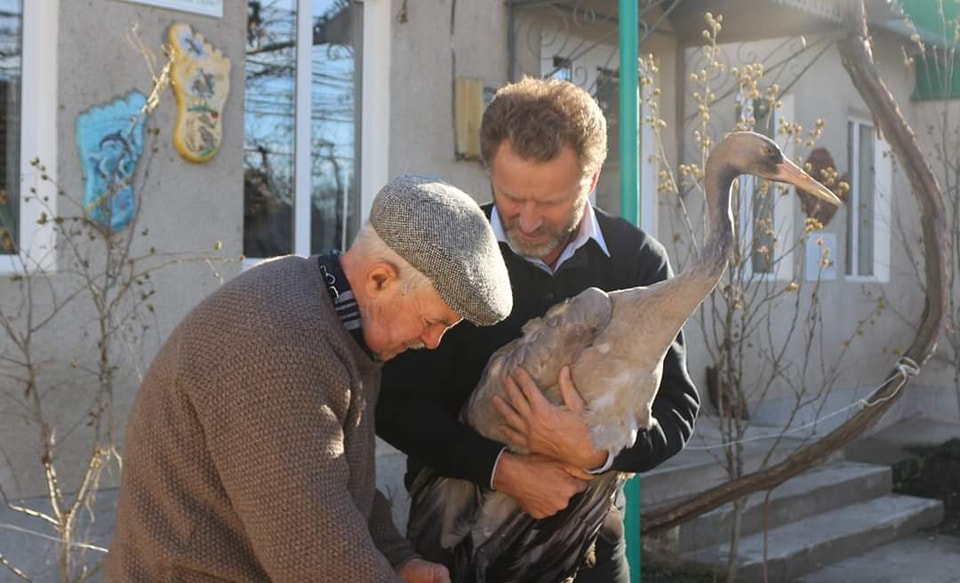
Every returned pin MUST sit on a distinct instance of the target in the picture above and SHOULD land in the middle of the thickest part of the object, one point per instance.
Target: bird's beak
(790, 173)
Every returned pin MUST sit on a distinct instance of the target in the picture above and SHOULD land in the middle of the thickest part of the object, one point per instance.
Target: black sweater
(423, 391)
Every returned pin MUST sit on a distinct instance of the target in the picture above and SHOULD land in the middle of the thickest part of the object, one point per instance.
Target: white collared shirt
(589, 229)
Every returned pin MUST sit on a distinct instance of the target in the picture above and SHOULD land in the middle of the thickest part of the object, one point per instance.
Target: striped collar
(342, 297)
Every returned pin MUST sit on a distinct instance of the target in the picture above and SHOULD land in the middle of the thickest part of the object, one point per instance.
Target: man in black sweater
(544, 142)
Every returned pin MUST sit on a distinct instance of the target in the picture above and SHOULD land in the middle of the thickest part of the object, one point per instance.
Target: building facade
(286, 116)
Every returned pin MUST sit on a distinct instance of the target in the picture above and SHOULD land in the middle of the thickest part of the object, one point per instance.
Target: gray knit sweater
(249, 453)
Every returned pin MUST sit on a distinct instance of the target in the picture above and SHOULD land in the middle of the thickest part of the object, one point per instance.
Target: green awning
(937, 24)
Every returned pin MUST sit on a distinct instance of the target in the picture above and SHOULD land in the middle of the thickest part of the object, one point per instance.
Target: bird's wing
(554, 341)
(549, 549)
(547, 345)
(442, 512)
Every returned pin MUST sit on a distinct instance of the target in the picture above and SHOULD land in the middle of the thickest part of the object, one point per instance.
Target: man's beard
(384, 357)
(558, 238)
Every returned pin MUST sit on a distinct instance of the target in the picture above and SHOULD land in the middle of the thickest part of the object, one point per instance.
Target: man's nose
(529, 218)
(431, 338)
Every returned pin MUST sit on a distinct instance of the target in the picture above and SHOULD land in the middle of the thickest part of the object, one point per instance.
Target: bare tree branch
(858, 61)
(6, 564)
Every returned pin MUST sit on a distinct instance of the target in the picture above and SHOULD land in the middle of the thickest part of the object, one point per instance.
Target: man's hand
(422, 571)
(536, 425)
(540, 486)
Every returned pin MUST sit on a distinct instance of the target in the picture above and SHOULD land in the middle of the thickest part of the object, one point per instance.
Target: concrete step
(803, 546)
(820, 490)
(702, 464)
(919, 558)
(894, 444)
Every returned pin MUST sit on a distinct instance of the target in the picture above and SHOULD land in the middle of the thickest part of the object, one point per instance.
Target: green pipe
(630, 210)
(629, 113)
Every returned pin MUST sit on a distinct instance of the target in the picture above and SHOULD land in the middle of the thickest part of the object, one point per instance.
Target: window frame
(882, 182)
(38, 138)
(374, 117)
(374, 102)
(784, 208)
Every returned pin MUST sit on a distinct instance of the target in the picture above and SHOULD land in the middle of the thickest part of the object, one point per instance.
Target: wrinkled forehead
(523, 179)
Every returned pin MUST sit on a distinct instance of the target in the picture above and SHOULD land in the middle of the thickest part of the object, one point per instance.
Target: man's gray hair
(369, 244)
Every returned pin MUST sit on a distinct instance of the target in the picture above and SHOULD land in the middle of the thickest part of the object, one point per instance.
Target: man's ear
(594, 181)
(380, 276)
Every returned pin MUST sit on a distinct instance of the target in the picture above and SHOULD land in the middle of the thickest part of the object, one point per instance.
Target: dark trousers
(611, 565)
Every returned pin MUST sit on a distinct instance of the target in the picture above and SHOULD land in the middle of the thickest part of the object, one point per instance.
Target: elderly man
(250, 448)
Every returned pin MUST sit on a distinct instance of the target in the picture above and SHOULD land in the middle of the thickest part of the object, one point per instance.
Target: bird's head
(753, 153)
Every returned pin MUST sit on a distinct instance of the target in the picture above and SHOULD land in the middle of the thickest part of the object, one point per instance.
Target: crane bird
(614, 344)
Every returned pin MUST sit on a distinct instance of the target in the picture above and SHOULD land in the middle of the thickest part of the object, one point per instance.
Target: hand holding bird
(420, 571)
(540, 486)
(534, 424)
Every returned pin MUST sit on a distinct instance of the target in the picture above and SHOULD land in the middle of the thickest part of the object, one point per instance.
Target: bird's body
(614, 344)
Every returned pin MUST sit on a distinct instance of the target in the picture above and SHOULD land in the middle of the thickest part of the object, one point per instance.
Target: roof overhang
(749, 20)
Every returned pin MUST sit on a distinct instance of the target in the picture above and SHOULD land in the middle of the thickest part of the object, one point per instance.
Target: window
(28, 79)
(766, 217)
(562, 69)
(868, 203)
(11, 21)
(757, 196)
(593, 66)
(302, 126)
(608, 95)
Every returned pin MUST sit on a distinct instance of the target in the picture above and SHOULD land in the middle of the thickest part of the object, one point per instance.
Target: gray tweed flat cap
(441, 231)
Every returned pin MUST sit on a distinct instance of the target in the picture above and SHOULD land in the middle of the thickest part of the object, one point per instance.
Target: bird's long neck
(716, 250)
(674, 300)
(700, 277)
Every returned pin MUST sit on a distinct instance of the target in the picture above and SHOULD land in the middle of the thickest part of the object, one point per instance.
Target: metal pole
(629, 209)
(629, 113)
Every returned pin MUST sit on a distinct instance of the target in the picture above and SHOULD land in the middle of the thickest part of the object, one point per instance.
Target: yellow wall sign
(201, 81)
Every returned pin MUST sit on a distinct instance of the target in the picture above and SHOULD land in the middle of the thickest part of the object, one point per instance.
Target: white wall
(427, 57)
(825, 91)
(185, 207)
